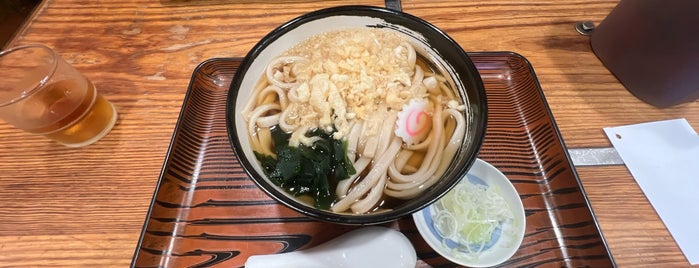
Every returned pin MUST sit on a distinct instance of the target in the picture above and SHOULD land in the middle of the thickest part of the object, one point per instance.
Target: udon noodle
(402, 123)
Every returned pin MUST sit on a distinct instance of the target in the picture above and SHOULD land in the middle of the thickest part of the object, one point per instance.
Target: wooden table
(85, 207)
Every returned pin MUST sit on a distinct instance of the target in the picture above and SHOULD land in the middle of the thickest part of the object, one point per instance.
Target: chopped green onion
(470, 215)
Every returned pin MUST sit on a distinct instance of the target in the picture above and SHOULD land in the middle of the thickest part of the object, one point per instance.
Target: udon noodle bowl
(354, 121)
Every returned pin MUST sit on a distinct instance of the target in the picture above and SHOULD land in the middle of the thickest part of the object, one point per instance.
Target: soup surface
(354, 121)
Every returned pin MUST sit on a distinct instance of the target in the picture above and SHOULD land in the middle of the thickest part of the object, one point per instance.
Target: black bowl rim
(391, 16)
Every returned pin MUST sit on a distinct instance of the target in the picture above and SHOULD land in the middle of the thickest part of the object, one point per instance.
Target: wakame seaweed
(303, 170)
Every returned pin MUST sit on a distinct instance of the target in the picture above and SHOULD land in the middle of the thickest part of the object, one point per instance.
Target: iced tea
(43, 94)
(74, 121)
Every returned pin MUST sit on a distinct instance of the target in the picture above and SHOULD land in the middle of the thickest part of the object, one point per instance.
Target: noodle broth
(398, 119)
(358, 207)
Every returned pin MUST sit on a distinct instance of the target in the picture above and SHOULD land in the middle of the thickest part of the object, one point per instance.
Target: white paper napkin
(663, 158)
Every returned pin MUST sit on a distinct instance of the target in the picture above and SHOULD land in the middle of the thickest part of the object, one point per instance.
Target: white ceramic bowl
(501, 246)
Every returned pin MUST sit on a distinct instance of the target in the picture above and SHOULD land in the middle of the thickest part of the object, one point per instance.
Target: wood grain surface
(85, 207)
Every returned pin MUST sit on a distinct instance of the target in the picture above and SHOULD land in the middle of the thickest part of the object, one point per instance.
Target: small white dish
(504, 241)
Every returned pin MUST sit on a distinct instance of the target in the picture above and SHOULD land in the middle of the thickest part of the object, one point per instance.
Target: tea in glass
(43, 94)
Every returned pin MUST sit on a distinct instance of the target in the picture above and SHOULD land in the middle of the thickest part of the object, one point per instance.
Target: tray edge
(175, 130)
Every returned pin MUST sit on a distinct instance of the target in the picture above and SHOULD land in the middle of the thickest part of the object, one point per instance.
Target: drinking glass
(41, 93)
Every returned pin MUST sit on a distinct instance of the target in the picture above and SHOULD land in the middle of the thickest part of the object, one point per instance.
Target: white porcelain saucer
(502, 244)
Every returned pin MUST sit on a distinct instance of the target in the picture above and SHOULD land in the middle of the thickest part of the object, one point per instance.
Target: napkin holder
(652, 47)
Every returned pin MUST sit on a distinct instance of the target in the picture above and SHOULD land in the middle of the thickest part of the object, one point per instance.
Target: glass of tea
(41, 93)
